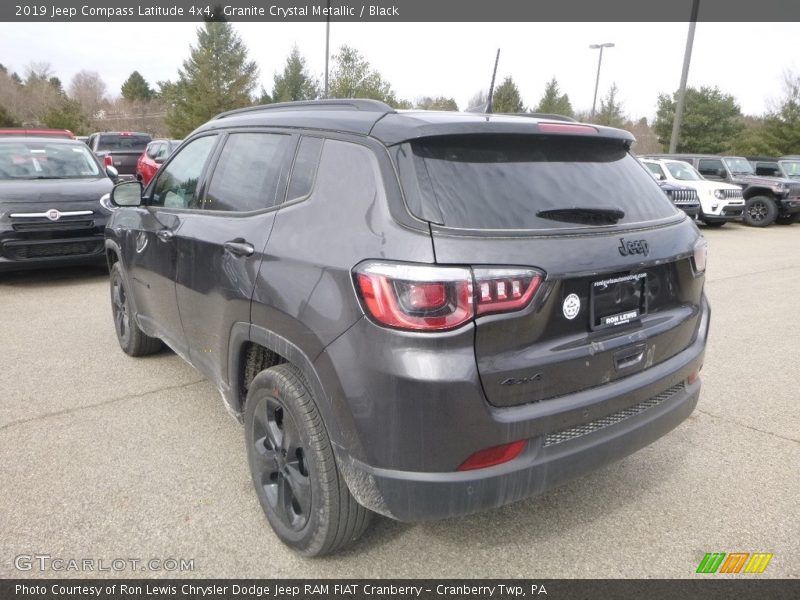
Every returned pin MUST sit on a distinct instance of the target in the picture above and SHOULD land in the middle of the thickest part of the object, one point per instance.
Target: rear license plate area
(618, 300)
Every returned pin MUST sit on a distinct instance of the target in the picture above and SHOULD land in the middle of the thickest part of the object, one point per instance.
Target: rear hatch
(619, 292)
(123, 149)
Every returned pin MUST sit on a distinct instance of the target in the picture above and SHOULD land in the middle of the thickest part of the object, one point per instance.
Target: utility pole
(599, 63)
(687, 57)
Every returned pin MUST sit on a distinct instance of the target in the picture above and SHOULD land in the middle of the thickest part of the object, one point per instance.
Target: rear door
(151, 249)
(219, 248)
(616, 296)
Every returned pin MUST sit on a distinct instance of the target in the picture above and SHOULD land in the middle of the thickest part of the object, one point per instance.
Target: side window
(709, 167)
(655, 169)
(152, 150)
(305, 168)
(249, 172)
(177, 182)
(161, 152)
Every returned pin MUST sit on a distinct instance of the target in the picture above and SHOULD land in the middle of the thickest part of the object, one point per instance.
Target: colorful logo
(736, 562)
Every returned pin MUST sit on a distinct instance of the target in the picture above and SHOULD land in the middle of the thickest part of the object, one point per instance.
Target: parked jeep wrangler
(767, 199)
(417, 314)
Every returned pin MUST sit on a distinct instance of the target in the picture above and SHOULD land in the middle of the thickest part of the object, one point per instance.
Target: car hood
(706, 185)
(53, 191)
(761, 180)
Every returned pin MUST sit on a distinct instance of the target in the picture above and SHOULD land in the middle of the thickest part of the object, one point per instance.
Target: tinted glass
(176, 183)
(40, 159)
(709, 166)
(248, 174)
(502, 182)
(305, 168)
(131, 143)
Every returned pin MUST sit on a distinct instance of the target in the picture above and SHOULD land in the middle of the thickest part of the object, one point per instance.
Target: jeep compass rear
(446, 312)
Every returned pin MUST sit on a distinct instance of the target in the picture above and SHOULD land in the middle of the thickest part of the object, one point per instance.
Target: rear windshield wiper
(584, 215)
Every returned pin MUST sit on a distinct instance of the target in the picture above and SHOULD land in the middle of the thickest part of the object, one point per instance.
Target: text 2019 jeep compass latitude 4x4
(419, 314)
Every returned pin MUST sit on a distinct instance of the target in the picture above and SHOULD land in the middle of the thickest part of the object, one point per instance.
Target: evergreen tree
(216, 77)
(295, 83)
(440, 103)
(553, 101)
(610, 110)
(506, 98)
(353, 77)
(136, 88)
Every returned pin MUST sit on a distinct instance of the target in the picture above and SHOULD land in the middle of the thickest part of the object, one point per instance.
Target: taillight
(502, 290)
(434, 298)
(108, 161)
(417, 297)
(496, 455)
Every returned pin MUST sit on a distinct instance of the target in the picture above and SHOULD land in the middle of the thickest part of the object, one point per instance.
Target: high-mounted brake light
(567, 128)
(108, 160)
(434, 298)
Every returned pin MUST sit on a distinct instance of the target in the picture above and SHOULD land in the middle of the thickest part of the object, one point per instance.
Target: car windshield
(527, 182)
(739, 166)
(683, 172)
(40, 159)
(111, 142)
(791, 168)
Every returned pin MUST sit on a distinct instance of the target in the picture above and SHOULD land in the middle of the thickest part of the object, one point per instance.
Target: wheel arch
(753, 191)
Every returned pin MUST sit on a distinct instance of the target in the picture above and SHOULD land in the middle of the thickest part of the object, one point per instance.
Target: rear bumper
(649, 405)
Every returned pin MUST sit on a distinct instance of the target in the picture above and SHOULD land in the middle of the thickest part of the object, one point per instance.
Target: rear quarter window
(505, 182)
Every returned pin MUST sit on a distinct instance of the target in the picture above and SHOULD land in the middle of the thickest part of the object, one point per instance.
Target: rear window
(130, 143)
(505, 182)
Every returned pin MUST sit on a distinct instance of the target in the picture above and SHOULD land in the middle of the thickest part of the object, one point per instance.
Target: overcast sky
(450, 59)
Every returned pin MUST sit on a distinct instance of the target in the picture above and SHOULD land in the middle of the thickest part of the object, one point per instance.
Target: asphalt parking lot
(104, 456)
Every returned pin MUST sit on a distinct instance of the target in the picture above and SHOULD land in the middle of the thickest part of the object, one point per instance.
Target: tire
(132, 340)
(788, 219)
(300, 488)
(714, 224)
(760, 211)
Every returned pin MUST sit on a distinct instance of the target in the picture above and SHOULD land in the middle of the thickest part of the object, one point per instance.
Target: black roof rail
(362, 104)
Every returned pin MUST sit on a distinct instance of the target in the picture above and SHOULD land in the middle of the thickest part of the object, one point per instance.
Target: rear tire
(132, 340)
(760, 211)
(294, 471)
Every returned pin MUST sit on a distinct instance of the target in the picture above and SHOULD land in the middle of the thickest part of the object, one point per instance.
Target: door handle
(239, 247)
(165, 235)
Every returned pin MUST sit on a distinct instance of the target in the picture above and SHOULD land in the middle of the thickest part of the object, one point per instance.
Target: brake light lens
(502, 290)
(108, 161)
(567, 128)
(700, 256)
(496, 455)
(416, 297)
(434, 298)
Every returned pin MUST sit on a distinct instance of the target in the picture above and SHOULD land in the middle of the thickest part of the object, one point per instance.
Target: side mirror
(127, 193)
(112, 173)
(660, 176)
(159, 160)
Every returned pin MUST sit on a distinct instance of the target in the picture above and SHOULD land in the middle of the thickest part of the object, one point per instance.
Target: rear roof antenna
(491, 86)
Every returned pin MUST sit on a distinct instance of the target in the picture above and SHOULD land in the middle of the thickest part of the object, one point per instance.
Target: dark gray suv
(418, 314)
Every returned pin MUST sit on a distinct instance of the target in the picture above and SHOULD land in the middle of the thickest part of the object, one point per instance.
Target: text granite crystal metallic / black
(417, 314)
(50, 203)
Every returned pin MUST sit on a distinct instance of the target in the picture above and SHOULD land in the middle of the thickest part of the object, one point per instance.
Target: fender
(241, 333)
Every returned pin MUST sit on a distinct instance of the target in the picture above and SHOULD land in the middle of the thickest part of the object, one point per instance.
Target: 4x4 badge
(633, 247)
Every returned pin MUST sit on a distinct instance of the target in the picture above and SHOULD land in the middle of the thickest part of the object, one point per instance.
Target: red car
(156, 153)
(37, 132)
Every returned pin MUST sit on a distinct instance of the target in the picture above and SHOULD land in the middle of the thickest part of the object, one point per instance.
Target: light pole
(327, 45)
(599, 62)
(687, 58)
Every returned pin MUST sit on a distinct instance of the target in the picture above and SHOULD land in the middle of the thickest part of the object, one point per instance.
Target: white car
(719, 202)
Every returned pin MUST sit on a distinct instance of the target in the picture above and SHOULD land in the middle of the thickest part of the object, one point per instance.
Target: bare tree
(89, 90)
